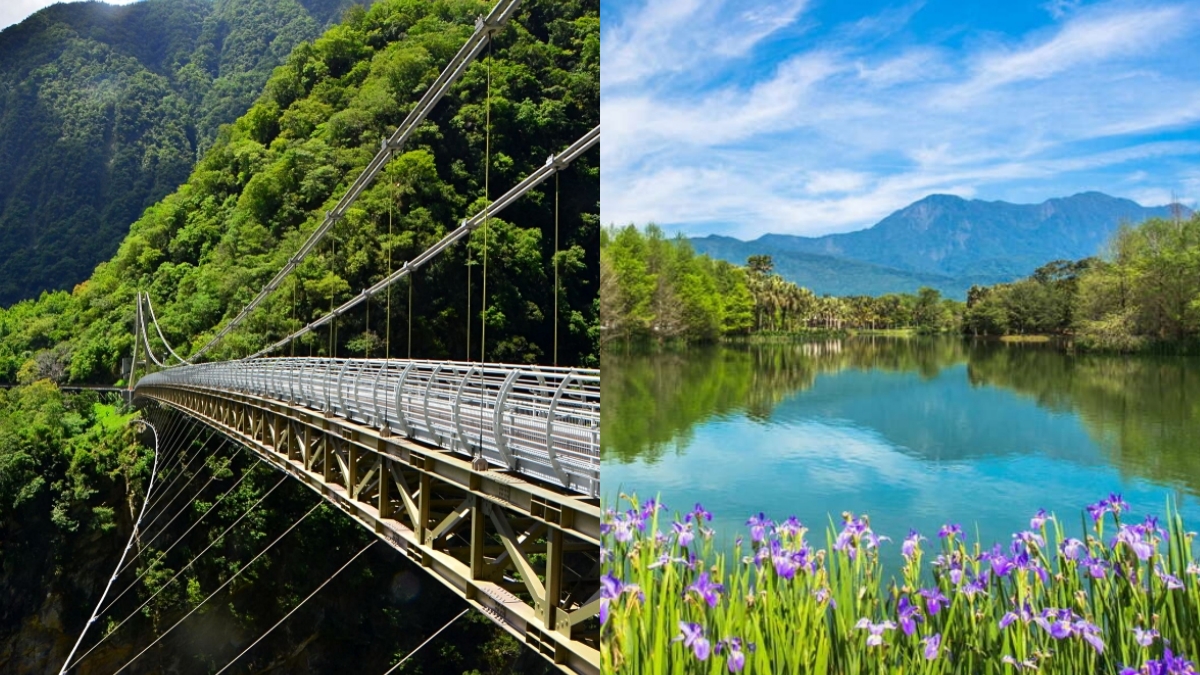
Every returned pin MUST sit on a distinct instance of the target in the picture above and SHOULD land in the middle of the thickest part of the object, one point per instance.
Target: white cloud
(15, 11)
(838, 134)
(674, 36)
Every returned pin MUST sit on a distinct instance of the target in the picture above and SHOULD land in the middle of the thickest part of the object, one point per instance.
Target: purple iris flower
(1169, 664)
(784, 560)
(875, 639)
(623, 530)
(1039, 519)
(950, 530)
(1071, 548)
(1097, 567)
(692, 635)
(707, 589)
(611, 588)
(909, 614)
(792, 527)
(933, 644)
(698, 513)
(1144, 637)
(1137, 538)
(1172, 582)
(1002, 566)
(976, 585)
(758, 527)
(934, 599)
(909, 548)
(856, 534)
(736, 660)
(1062, 624)
(683, 533)
(1028, 537)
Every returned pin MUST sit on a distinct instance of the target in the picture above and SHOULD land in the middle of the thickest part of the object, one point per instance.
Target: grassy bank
(1122, 600)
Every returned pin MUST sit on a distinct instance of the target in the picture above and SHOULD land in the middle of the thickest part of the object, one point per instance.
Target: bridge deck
(394, 445)
(538, 421)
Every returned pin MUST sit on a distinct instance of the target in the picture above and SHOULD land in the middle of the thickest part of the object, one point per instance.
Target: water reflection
(935, 400)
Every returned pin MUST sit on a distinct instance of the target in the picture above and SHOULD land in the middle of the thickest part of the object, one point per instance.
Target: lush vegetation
(104, 110)
(1144, 293)
(71, 475)
(267, 180)
(655, 289)
(1123, 598)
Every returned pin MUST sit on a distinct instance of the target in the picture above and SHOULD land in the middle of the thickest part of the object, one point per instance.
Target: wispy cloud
(809, 126)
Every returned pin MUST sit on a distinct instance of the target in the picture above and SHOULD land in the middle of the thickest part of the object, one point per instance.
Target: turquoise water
(915, 433)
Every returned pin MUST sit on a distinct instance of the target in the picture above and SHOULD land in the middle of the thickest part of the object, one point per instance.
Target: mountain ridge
(944, 241)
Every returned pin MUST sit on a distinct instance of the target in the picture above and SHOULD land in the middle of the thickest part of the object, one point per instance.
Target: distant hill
(942, 241)
(104, 110)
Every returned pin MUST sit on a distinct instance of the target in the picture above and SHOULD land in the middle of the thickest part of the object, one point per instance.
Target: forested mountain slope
(205, 250)
(104, 110)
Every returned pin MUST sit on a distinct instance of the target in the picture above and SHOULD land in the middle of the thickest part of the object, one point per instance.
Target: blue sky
(810, 117)
(16, 11)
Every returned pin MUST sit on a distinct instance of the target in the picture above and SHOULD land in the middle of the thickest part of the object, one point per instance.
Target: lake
(914, 432)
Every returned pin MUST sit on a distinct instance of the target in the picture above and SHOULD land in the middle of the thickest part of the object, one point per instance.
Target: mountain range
(942, 241)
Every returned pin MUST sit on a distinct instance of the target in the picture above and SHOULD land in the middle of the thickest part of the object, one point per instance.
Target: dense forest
(655, 289)
(68, 465)
(1143, 294)
(265, 184)
(104, 111)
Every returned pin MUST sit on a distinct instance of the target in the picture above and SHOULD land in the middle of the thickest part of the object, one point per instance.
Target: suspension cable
(163, 554)
(220, 588)
(181, 571)
(332, 293)
(167, 490)
(146, 338)
(171, 449)
(485, 27)
(487, 194)
(487, 173)
(297, 607)
(388, 335)
(185, 485)
(552, 165)
(427, 641)
(150, 306)
(556, 250)
(128, 545)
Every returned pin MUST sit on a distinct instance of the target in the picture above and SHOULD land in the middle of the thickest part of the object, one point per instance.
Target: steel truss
(524, 553)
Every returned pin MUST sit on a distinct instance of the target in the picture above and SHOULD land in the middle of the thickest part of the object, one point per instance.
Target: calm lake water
(913, 432)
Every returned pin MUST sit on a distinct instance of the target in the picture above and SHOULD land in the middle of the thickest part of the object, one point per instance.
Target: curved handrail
(537, 421)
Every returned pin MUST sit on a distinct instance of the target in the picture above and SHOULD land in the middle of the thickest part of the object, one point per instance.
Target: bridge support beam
(478, 532)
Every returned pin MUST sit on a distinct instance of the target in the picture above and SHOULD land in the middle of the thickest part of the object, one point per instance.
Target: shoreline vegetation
(1123, 599)
(1141, 296)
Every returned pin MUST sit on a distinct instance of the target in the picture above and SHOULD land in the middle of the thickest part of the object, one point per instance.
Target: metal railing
(539, 421)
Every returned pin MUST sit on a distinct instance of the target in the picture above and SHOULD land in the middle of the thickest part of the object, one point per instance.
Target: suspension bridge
(485, 475)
